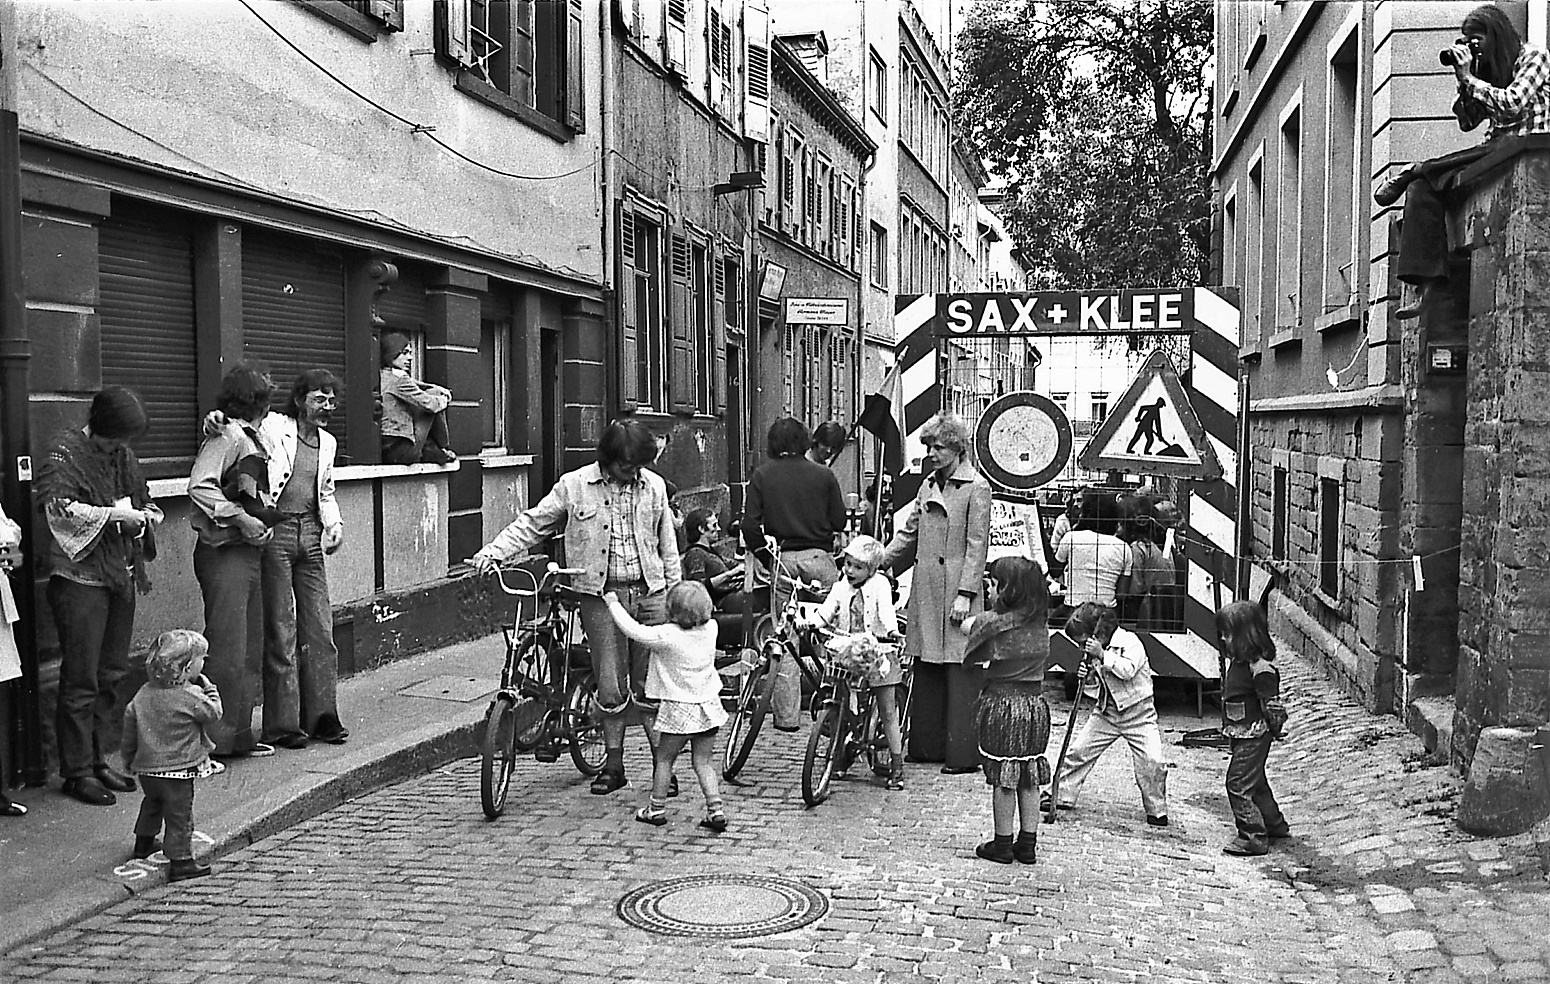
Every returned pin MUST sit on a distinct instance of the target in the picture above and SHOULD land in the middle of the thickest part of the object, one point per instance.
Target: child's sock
(613, 760)
(715, 816)
(1003, 840)
(654, 814)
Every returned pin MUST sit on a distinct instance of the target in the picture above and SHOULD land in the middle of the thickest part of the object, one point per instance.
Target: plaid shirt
(624, 566)
(1524, 105)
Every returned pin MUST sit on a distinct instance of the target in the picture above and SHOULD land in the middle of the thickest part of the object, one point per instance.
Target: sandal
(716, 822)
(11, 808)
(656, 818)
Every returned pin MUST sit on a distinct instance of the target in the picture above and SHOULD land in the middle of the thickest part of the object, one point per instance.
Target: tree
(1097, 113)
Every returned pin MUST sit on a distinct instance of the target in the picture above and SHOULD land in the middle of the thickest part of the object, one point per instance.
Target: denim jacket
(578, 504)
(1125, 674)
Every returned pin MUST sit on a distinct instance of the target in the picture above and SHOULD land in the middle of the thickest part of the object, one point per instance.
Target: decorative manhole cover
(726, 906)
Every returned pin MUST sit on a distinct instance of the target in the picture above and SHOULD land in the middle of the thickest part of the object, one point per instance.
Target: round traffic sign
(1023, 440)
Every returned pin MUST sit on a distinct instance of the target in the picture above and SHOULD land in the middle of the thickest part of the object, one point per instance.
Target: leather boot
(186, 869)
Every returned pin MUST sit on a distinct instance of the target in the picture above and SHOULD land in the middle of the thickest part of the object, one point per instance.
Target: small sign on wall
(818, 311)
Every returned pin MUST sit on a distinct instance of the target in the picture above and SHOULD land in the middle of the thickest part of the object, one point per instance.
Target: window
(1288, 259)
(643, 342)
(523, 57)
(1100, 407)
(362, 18)
(495, 343)
(1278, 514)
(1340, 179)
(877, 85)
(1061, 400)
(879, 256)
(1254, 257)
(1329, 536)
(1230, 238)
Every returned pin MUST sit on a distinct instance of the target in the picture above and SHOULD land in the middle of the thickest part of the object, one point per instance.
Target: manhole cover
(728, 906)
(455, 688)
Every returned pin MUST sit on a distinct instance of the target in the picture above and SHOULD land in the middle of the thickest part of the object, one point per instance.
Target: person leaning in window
(231, 525)
(619, 530)
(414, 420)
(948, 532)
(99, 510)
(1501, 82)
(798, 502)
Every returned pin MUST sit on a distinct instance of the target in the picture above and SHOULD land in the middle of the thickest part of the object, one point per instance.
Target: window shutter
(756, 63)
(575, 76)
(389, 12)
(717, 73)
(293, 312)
(146, 316)
(788, 180)
(681, 381)
(677, 39)
(629, 317)
(809, 195)
(858, 245)
(771, 189)
(453, 40)
(627, 16)
(718, 336)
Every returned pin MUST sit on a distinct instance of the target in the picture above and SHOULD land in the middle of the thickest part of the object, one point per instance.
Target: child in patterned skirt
(682, 677)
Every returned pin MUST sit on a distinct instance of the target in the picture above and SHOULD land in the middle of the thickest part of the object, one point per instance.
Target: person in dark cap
(414, 422)
(101, 517)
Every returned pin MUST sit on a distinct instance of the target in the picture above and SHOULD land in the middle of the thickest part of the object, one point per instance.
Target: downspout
(605, 110)
(15, 463)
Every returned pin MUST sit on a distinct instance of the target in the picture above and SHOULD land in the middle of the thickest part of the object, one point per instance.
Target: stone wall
(1349, 632)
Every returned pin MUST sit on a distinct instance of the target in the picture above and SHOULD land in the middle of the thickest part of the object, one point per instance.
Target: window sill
(1283, 337)
(355, 473)
(348, 20)
(476, 88)
(1339, 319)
(500, 459)
(1230, 103)
(1327, 600)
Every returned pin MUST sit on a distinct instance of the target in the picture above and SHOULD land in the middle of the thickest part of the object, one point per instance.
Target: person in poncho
(102, 520)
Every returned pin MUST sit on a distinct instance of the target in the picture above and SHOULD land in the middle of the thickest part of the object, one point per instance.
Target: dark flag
(880, 416)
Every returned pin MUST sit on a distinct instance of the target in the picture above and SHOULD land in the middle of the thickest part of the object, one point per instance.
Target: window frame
(877, 75)
(1331, 503)
(361, 24)
(555, 101)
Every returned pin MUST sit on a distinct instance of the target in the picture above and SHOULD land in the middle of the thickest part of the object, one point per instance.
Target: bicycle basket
(859, 656)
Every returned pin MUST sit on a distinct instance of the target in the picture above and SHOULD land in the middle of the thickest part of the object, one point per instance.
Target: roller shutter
(146, 312)
(293, 313)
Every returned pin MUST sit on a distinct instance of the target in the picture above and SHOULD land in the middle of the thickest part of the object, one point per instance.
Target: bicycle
(547, 690)
(778, 638)
(848, 725)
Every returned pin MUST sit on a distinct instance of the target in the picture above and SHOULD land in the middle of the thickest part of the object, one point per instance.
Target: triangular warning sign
(1153, 430)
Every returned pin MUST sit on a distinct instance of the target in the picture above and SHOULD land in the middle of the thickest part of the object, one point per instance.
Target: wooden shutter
(756, 62)
(858, 230)
(716, 74)
(145, 310)
(575, 75)
(389, 12)
(293, 313)
(718, 336)
(676, 41)
(523, 51)
(788, 180)
(453, 41)
(681, 381)
(629, 317)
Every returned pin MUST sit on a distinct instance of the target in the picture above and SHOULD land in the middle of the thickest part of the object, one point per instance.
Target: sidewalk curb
(415, 753)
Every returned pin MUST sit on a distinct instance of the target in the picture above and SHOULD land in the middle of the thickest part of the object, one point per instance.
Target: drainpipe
(15, 463)
(605, 108)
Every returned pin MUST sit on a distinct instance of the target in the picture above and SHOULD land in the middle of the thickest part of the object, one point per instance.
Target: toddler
(862, 602)
(1011, 719)
(1117, 671)
(414, 421)
(1252, 716)
(681, 675)
(166, 743)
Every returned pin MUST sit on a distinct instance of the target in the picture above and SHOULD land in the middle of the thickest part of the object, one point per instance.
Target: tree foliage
(1097, 114)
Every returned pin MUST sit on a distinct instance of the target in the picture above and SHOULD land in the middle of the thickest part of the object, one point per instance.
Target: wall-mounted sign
(818, 311)
(774, 279)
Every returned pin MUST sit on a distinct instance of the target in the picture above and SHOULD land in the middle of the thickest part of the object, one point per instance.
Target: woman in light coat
(948, 531)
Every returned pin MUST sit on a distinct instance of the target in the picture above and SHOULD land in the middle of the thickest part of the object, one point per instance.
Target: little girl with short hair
(1252, 716)
(682, 676)
(166, 742)
(1011, 718)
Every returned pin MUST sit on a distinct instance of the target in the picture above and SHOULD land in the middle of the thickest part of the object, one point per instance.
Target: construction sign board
(1153, 430)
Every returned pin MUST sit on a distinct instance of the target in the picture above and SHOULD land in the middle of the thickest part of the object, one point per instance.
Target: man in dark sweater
(798, 502)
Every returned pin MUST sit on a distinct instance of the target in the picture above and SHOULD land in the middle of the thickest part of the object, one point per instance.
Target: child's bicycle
(546, 697)
(778, 637)
(849, 724)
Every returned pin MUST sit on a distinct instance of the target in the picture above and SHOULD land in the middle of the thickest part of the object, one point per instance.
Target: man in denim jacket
(619, 530)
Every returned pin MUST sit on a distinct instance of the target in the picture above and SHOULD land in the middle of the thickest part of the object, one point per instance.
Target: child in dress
(1252, 716)
(682, 676)
(862, 602)
(1117, 671)
(1011, 719)
(166, 743)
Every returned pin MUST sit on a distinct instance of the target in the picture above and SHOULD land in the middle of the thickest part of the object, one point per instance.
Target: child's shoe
(146, 846)
(715, 822)
(654, 814)
(896, 773)
(998, 850)
(186, 869)
(1026, 848)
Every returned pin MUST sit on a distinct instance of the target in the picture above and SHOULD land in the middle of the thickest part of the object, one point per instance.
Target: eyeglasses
(322, 400)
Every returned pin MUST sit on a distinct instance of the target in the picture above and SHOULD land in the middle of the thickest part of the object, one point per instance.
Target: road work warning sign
(1153, 430)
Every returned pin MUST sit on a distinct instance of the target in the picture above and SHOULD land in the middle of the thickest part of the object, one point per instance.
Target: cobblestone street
(412, 884)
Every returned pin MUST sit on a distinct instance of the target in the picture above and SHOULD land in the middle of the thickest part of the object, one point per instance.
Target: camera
(1448, 56)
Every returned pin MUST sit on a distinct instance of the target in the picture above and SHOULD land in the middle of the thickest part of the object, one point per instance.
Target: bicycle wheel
(530, 680)
(584, 727)
(753, 703)
(499, 755)
(823, 751)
